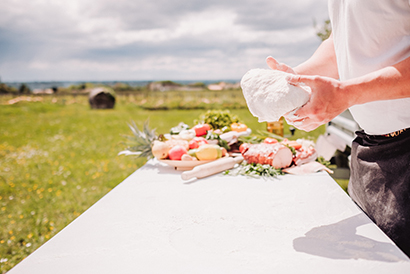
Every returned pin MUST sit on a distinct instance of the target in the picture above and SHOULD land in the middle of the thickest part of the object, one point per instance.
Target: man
(364, 66)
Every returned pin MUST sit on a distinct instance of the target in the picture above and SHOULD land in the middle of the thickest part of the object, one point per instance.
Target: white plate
(184, 165)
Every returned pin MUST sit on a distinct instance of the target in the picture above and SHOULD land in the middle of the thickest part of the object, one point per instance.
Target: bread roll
(269, 96)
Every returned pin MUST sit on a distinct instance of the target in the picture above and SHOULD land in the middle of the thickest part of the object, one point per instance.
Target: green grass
(58, 157)
(343, 183)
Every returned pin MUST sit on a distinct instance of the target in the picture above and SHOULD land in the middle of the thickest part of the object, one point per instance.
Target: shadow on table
(340, 241)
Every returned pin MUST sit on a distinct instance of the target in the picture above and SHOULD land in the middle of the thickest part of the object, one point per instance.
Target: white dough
(269, 96)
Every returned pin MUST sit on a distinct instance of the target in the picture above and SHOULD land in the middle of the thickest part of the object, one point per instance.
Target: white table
(153, 222)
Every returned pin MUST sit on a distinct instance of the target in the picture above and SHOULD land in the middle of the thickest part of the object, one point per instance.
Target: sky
(130, 40)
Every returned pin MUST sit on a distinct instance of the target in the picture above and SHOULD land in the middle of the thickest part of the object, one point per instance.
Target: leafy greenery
(213, 136)
(6, 89)
(324, 31)
(322, 160)
(141, 141)
(24, 89)
(255, 170)
(218, 119)
(169, 83)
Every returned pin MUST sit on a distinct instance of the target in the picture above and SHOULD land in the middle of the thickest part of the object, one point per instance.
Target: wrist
(351, 94)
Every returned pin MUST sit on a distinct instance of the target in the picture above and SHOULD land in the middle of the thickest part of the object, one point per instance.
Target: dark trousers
(380, 183)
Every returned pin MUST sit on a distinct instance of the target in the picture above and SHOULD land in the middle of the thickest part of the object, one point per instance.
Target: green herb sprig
(255, 170)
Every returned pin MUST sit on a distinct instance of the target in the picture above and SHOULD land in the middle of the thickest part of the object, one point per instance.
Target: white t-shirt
(370, 35)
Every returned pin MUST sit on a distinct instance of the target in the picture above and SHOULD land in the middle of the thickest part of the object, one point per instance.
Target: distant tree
(198, 85)
(323, 31)
(168, 83)
(24, 89)
(4, 89)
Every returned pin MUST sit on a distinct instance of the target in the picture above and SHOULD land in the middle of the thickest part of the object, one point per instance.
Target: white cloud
(157, 39)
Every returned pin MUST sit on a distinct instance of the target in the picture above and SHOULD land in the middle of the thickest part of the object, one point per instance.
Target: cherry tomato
(243, 147)
(201, 129)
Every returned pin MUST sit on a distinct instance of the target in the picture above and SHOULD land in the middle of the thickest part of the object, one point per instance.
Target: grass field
(58, 157)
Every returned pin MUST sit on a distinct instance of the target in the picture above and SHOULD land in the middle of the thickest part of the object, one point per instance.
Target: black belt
(395, 133)
(374, 140)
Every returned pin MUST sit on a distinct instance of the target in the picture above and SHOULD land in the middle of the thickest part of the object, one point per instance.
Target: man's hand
(275, 65)
(327, 100)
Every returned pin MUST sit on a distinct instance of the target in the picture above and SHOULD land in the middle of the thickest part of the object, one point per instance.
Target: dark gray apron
(380, 183)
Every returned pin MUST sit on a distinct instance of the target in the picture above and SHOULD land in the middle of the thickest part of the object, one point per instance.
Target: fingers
(299, 79)
(299, 123)
(299, 114)
(300, 119)
(272, 63)
(275, 65)
(305, 124)
(302, 113)
(295, 121)
(292, 116)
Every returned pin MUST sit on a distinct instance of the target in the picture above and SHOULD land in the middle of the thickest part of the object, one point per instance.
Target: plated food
(185, 147)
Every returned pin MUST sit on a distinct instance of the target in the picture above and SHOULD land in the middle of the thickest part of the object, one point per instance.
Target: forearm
(323, 61)
(389, 83)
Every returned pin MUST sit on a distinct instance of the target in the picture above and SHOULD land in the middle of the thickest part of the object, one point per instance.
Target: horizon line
(91, 81)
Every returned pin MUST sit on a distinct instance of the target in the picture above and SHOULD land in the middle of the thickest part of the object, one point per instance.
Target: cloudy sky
(95, 40)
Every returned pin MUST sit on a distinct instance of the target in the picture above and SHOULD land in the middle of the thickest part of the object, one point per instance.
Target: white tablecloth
(154, 222)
